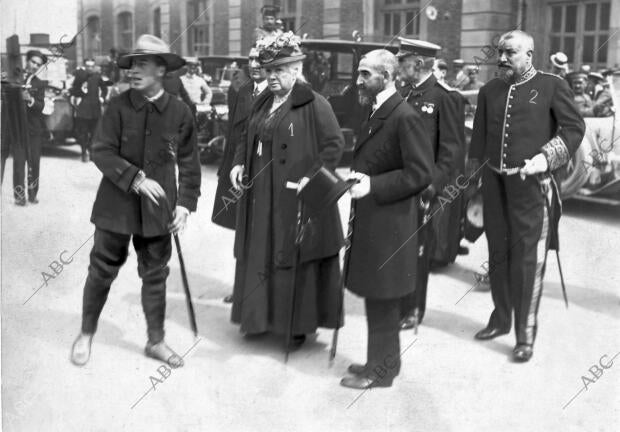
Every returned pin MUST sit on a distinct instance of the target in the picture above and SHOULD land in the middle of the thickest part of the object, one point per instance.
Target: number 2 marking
(291, 128)
(535, 92)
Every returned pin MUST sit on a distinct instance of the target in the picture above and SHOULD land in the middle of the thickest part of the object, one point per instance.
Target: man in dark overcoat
(90, 90)
(34, 97)
(144, 135)
(224, 206)
(436, 105)
(393, 162)
(526, 127)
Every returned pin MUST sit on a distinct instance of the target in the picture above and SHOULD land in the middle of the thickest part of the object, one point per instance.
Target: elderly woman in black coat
(291, 130)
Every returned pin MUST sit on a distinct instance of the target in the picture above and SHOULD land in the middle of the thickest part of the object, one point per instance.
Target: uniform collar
(160, 100)
(526, 76)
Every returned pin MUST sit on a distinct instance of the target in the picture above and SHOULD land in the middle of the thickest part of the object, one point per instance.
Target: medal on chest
(428, 107)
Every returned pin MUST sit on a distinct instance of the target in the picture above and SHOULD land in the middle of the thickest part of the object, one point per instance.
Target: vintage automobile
(593, 174)
(212, 120)
(331, 69)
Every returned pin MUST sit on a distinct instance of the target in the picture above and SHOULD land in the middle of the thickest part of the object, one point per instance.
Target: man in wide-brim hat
(143, 136)
(559, 61)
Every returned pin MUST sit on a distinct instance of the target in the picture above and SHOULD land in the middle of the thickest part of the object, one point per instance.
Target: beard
(505, 73)
(367, 96)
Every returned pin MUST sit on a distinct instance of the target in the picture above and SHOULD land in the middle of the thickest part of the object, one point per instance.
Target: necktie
(255, 92)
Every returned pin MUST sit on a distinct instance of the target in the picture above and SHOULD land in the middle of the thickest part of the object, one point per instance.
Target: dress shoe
(462, 250)
(20, 202)
(363, 383)
(522, 353)
(228, 299)
(80, 351)
(161, 351)
(33, 201)
(491, 333)
(357, 369)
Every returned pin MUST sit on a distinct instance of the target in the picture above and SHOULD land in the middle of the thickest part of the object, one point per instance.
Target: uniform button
(508, 115)
(506, 135)
(284, 146)
(511, 96)
(509, 106)
(416, 104)
(507, 125)
(283, 161)
(504, 164)
(505, 145)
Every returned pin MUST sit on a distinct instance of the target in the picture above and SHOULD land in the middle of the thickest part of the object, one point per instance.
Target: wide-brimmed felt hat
(149, 45)
(36, 53)
(279, 49)
(559, 60)
(416, 47)
(322, 190)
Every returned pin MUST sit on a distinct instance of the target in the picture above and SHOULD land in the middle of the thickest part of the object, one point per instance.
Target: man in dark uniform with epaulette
(438, 108)
(526, 127)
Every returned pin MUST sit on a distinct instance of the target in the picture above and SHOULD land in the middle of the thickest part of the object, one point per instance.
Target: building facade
(467, 29)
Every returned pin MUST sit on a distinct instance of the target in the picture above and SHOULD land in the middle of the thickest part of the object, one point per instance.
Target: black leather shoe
(491, 333)
(357, 369)
(20, 202)
(363, 383)
(409, 322)
(228, 299)
(33, 201)
(522, 353)
(462, 250)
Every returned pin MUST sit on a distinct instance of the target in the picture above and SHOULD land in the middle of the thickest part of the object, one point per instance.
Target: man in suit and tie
(393, 161)
(90, 90)
(224, 206)
(34, 97)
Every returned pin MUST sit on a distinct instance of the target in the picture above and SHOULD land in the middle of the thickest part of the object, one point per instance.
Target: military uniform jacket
(135, 134)
(438, 110)
(516, 121)
(394, 151)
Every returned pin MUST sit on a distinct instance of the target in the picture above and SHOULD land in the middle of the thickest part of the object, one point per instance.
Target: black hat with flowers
(279, 49)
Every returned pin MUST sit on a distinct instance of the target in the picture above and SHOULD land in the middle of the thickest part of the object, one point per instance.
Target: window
(581, 31)
(288, 11)
(399, 18)
(157, 22)
(93, 37)
(198, 23)
(124, 25)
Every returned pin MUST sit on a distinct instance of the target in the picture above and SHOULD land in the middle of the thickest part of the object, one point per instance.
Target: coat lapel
(375, 123)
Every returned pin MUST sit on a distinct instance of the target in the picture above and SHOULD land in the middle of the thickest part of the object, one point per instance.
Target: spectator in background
(440, 70)
(196, 87)
(601, 96)
(174, 86)
(578, 82)
(90, 91)
(460, 76)
(270, 25)
(559, 64)
(473, 82)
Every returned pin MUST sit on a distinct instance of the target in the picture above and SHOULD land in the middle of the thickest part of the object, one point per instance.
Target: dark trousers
(516, 223)
(84, 130)
(416, 301)
(30, 155)
(383, 353)
(106, 258)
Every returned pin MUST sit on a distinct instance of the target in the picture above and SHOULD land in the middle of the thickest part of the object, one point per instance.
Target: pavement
(448, 381)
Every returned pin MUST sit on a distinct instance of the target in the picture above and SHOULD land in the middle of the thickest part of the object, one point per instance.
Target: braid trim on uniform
(556, 153)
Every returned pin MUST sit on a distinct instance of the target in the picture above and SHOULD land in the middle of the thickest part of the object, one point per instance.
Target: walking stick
(554, 233)
(188, 295)
(297, 246)
(345, 267)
